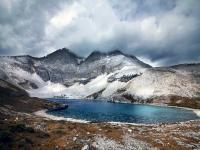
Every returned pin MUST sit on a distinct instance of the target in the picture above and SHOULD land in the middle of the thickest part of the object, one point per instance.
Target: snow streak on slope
(18, 75)
(81, 91)
(24, 75)
(128, 70)
(150, 83)
(98, 84)
(48, 90)
(112, 88)
(76, 91)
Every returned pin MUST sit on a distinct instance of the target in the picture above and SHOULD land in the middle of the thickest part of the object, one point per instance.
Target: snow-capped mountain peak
(63, 56)
(108, 75)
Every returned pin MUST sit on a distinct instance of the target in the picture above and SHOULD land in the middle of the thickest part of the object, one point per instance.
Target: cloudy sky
(163, 32)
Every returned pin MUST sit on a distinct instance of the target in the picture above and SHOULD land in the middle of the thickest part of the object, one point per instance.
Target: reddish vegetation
(34, 132)
(24, 130)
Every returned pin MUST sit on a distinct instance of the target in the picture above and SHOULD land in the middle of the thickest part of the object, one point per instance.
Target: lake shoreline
(43, 113)
(36, 132)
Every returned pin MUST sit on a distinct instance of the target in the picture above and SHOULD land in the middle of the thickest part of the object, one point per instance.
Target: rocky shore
(20, 128)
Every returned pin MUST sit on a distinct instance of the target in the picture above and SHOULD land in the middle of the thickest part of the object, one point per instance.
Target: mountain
(61, 56)
(112, 75)
(63, 66)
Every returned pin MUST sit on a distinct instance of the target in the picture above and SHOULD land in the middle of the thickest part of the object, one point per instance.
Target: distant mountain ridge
(49, 67)
(70, 57)
(111, 75)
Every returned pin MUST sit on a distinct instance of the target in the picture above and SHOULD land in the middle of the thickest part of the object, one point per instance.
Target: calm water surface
(102, 111)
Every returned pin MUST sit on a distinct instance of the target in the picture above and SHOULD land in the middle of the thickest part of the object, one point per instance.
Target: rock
(85, 147)
(129, 130)
(74, 138)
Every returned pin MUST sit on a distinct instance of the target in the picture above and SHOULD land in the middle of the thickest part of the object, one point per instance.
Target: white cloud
(63, 18)
(153, 29)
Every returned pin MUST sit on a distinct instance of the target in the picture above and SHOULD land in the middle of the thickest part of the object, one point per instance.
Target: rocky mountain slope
(63, 66)
(9, 90)
(20, 128)
(112, 75)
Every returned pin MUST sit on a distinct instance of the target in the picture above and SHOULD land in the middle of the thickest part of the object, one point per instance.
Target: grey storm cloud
(162, 32)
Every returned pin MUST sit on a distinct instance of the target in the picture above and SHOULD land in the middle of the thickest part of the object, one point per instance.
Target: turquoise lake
(102, 111)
